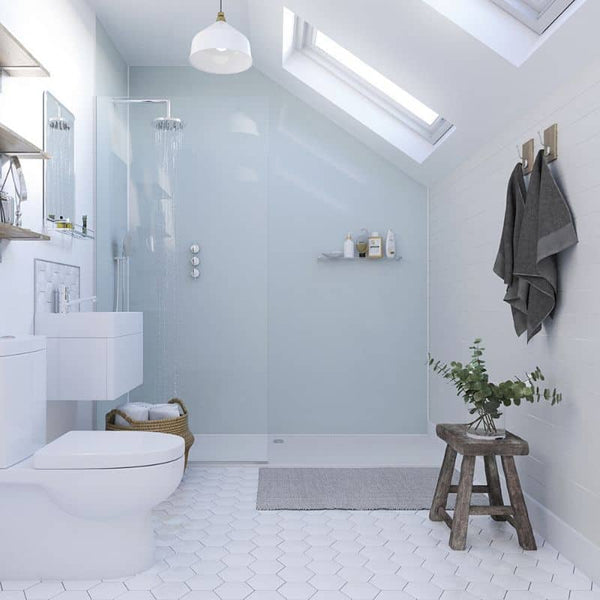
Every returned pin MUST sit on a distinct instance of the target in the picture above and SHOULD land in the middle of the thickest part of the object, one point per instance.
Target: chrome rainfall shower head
(168, 124)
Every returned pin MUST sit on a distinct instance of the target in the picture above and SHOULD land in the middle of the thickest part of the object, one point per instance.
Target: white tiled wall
(48, 276)
(466, 214)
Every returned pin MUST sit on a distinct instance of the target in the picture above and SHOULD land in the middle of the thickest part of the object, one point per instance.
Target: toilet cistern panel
(22, 397)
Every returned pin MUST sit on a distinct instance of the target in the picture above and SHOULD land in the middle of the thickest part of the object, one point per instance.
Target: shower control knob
(195, 273)
(194, 261)
(194, 248)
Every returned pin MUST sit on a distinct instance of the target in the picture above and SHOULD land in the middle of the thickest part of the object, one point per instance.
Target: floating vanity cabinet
(92, 355)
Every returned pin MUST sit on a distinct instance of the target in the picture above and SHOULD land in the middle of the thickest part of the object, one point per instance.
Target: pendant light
(220, 48)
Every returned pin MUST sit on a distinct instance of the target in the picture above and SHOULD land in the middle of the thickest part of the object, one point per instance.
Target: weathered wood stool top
(458, 442)
(455, 435)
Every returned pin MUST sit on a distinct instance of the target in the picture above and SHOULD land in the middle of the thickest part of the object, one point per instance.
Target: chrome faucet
(62, 301)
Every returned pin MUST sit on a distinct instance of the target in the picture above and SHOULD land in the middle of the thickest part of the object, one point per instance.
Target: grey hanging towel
(546, 230)
(517, 289)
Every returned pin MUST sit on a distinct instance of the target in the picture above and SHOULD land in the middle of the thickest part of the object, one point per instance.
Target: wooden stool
(457, 441)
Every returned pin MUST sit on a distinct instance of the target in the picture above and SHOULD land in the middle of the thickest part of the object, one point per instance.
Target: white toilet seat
(108, 450)
(90, 474)
(81, 506)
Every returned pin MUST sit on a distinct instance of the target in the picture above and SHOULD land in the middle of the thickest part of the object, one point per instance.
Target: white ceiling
(409, 41)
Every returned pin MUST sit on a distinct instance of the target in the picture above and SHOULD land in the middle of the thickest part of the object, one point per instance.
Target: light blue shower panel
(267, 339)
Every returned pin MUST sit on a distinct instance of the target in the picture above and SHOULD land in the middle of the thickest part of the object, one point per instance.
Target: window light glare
(374, 78)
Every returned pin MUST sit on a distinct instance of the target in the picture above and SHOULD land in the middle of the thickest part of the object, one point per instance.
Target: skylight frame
(538, 21)
(305, 41)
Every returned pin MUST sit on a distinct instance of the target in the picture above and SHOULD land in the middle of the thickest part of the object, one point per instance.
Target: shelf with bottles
(339, 257)
(65, 227)
(370, 247)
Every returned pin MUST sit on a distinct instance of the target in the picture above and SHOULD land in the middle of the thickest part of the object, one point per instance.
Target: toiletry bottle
(362, 243)
(390, 244)
(349, 247)
(375, 245)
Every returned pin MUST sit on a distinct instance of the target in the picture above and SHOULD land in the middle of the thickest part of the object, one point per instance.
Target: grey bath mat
(393, 488)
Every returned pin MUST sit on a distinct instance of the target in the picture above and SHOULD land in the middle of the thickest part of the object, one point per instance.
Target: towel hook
(549, 142)
(527, 155)
(546, 147)
(523, 160)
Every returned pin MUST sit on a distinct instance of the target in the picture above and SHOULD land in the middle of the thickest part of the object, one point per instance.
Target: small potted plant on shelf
(486, 399)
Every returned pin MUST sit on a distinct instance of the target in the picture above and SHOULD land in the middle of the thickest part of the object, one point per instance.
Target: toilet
(80, 506)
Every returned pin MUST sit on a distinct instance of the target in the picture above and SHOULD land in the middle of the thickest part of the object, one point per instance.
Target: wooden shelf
(13, 144)
(12, 232)
(16, 60)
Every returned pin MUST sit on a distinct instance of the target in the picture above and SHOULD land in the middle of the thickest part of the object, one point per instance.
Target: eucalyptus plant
(486, 398)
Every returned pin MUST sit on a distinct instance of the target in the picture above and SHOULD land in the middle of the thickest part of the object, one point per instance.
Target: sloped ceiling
(408, 41)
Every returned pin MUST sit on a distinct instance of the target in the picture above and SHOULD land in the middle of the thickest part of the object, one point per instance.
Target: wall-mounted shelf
(12, 144)
(16, 60)
(12, 232)
(329, 257)
(75, 231)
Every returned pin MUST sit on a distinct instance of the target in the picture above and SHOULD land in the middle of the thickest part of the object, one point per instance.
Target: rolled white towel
(177, 406)
(163, 411)
(134, 411)
(143, 404)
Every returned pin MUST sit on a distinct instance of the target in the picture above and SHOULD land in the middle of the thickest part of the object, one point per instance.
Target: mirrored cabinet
(59, 172)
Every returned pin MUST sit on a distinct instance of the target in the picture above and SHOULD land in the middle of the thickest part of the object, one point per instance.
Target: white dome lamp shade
(220, 48)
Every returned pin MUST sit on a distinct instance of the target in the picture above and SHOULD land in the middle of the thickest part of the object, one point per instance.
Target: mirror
(59, 170)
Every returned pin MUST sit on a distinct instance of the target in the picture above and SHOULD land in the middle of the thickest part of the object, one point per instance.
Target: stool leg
(442, 489)
(460, 521)
(521, 517)
(493, 483)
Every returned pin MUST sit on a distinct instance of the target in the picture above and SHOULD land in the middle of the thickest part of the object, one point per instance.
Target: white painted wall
(466, 214)
(62, 35)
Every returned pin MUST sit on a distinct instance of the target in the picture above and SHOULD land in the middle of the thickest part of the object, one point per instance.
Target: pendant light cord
(221, 14)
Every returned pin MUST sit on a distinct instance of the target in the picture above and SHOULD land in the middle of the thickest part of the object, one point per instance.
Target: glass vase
(484, 427)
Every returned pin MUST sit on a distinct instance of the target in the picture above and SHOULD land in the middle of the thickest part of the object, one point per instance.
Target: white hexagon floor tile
(214, 545)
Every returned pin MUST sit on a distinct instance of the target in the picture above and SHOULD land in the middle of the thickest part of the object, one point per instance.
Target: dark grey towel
(517, 290)
(546, 230)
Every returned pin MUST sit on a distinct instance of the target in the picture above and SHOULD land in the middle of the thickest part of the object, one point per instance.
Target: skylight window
(536, 14)
(374, 78)
(361, 91)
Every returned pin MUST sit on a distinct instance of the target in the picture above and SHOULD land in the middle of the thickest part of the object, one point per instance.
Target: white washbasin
(89, 324)
(92, 355)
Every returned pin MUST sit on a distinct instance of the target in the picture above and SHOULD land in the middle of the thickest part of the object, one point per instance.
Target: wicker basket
(177, 426)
